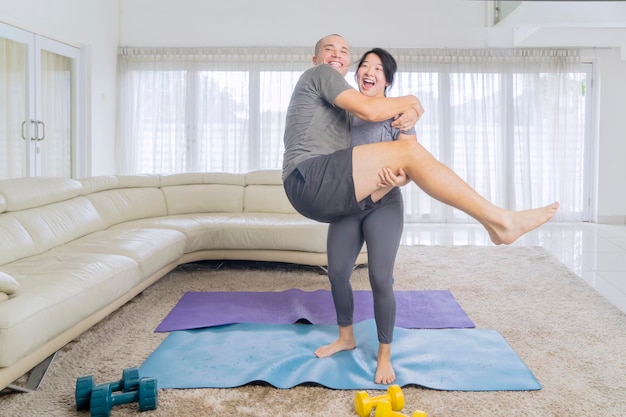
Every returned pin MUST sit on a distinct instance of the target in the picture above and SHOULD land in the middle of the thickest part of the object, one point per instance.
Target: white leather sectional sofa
(73, 251)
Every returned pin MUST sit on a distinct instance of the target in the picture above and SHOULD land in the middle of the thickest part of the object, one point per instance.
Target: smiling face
(334, 51)
(370, 76)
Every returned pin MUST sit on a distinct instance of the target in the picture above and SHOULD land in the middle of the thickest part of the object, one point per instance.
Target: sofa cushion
(262, 198)
(8, 284)
(92, 185)
(139, 180)
(265, 177)
(29, 192)
(56, 292)
(226, 178)
(3, 297)
(265, 193)
(19, 242)
(204, 198)
(202, 231)
(126, 204)
(58, 223)
(151, 248)
(271, 231)
(268, 231)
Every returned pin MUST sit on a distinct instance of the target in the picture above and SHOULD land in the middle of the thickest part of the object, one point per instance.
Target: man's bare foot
(384, 371)
(345, 341)
(337, 346)
(515, 224)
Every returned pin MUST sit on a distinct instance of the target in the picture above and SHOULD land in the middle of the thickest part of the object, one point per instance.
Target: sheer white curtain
(509, 122)
(204, 109)
(13, 94)
(56, 110)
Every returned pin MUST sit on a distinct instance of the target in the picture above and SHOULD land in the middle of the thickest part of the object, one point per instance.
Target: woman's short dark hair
(390, 66)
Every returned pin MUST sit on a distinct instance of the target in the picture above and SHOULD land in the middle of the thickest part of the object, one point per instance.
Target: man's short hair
(318, 45)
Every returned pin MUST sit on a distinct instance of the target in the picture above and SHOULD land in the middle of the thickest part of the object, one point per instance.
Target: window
(513, 124)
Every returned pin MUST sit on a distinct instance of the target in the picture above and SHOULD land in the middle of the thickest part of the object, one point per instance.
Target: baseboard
(612, 219)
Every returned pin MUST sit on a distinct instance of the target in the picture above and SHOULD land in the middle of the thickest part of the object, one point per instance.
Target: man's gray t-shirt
(314, 126)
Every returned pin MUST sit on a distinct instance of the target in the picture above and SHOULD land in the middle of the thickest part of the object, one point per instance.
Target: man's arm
(376, 109)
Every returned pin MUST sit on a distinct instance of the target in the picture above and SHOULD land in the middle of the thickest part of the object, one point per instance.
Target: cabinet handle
(34, 122)
(43, 130)
(23, 133)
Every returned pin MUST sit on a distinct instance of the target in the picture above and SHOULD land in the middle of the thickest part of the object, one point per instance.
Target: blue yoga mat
(433, 309)
(282, 355)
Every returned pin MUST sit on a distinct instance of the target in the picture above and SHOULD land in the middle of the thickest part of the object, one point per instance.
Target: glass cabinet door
(37, 105)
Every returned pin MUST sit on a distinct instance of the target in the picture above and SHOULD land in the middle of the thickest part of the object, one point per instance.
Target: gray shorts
(322, 188)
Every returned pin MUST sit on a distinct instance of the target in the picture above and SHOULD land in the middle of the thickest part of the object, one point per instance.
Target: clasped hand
(390, 179)
(408, 119)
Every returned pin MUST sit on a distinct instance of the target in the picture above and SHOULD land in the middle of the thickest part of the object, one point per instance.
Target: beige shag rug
(570, 337)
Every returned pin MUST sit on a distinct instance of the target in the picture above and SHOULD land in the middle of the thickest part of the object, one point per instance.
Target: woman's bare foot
(515, 224)
(345, 341)
(384, 371)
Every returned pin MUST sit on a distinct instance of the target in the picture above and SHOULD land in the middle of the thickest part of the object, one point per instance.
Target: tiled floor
(595, 252)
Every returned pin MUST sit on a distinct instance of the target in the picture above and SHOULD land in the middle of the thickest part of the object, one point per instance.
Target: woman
(380, 227)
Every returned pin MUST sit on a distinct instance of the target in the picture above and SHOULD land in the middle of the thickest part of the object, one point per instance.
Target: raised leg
(440, 182)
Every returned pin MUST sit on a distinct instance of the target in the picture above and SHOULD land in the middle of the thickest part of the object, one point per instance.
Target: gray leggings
(380, 227)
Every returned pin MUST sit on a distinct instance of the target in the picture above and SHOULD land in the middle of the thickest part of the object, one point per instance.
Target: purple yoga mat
(432, 309)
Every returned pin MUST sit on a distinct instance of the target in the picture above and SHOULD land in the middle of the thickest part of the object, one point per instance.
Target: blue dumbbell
(103, 398)
(85, 385)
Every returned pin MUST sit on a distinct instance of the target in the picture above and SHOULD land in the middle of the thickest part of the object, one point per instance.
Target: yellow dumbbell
(384, 410)
(364, 404)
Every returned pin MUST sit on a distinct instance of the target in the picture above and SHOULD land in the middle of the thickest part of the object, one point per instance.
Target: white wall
(102, 25)
(611, 131)
(397, 23)
(92, 25)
